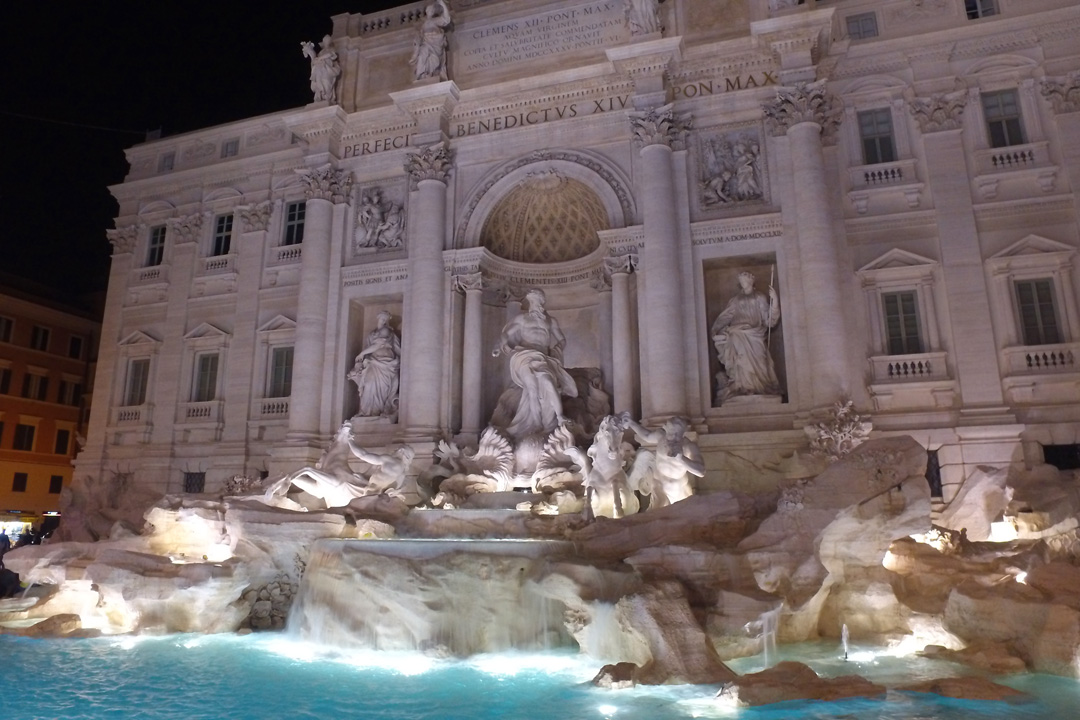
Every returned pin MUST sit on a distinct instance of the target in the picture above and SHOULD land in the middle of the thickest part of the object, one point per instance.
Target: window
(19, 483)
(24, 437)
(194, 482)
(980, 8)
(222, 235)
(35, 387)
(70, 393)
(137, 376)
(56, 484)
(862, 26)
(901, 323)
(6, 324)
(75, 346)
(39, 338)
(63, 442)
(230, 147)
(204, 387)
(294, 223)
(166, 162)
(5, 381)
(1038, 319)
(155, 249)
(876, 133)
(1002, 112)
(281, 360)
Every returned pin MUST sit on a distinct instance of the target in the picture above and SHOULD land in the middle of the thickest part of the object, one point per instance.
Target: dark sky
(80, 82)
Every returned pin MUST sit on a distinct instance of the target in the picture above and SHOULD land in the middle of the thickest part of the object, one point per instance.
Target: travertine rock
(968, 688)
(794, 681)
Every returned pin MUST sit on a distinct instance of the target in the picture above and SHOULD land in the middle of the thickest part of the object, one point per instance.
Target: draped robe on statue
(740, 334)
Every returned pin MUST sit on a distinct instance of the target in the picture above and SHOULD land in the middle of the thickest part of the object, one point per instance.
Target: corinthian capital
(1063, 93)
(123, 239)
(432, 162)
(661, 126)
(942, 111)
(186, 229)
(803, 103)
(327, 183)
(255, 217)
(622, 263)
(468, 281)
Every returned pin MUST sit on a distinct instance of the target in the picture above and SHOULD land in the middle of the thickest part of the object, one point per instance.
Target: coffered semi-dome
(547, 218)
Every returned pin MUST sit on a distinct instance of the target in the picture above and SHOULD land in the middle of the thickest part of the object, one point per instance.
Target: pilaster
(940, 118)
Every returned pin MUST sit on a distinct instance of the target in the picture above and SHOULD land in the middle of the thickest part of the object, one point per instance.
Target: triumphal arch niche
(552, 221)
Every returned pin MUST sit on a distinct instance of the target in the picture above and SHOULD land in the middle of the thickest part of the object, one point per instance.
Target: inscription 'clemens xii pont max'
(492, 46)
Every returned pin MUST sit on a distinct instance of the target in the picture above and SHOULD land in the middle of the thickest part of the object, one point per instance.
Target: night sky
(82, 83)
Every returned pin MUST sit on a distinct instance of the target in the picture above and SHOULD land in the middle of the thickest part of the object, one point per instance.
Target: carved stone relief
(326, 183)
(919, 9)
(939, 112)
(429, 163)
(186, 229)
(661, 126)
(123, 239)
(380, 221)
(805, 102)
(255, 217)
(731, 168)
(643, 16)
(1063, 93)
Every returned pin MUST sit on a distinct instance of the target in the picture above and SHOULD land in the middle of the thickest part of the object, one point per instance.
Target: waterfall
(456, 597)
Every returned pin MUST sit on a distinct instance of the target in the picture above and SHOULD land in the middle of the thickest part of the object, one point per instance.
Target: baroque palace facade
(902, 174)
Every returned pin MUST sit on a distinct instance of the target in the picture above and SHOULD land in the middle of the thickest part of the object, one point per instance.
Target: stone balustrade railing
(899, 172)
(1031, 359)
(909, 368)
(1014, 157)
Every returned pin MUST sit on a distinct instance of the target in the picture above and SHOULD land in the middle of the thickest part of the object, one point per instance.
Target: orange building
(47, 353)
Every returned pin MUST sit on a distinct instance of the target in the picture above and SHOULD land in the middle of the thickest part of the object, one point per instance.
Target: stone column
(237, 391)
(657, 132)
(471, 352)
(1063, 94)
(622, 381)
(806, 114)
(973, 351)
(423, 330)
(326, 186)
(187, 235)
(123, 241)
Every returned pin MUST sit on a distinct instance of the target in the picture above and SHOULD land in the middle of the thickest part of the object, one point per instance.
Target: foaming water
(269, 676)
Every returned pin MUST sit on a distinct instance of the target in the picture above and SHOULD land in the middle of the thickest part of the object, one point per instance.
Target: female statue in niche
(376, 371)
(429, 48)
(741, 335)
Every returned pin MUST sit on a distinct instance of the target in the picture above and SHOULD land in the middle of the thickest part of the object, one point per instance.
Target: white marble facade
(903, 177)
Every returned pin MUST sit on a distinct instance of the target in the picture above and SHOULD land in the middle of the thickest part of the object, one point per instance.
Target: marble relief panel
(731, 171)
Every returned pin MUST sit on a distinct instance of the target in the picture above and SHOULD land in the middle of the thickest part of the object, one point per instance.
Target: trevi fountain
(572, 553)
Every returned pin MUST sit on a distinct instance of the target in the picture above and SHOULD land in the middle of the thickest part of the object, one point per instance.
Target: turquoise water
(191, 677)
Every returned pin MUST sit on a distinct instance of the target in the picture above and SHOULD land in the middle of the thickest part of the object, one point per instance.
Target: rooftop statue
(324, 69)
(534, 341)
(741, 335)
(429, 48)
(376, 371)
(643, 16)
